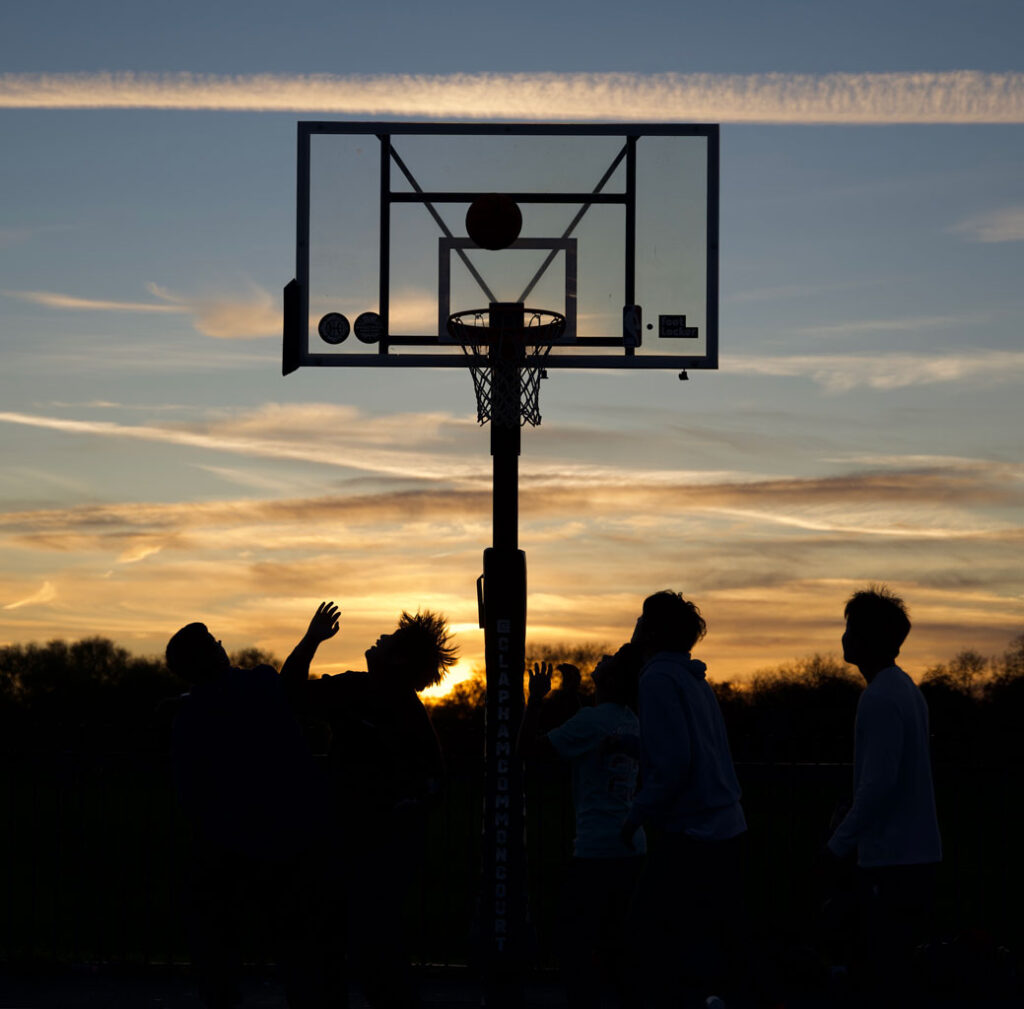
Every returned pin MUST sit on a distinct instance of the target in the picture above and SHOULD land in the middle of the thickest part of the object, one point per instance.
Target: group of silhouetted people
(653, 909)
(325, 855)
(654, 899)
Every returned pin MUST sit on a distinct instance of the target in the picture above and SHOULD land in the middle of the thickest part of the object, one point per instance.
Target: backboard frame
(434, 351)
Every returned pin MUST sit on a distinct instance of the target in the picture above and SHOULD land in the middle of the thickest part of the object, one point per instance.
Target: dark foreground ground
(90, 987)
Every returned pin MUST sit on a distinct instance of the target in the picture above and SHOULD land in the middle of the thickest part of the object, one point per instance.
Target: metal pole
(504, 924)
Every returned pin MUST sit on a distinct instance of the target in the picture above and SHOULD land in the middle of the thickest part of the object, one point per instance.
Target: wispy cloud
(284, 433)
(278, 483)
(963, 96)
(988, 469)
(69, 302)
(139, 552)
(843, 372)
(45, 595)
(924, 502)
(424, 453)
(436, 448)
(1003, 225)
(254, 313)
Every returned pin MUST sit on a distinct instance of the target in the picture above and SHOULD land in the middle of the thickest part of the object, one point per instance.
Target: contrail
(957, 96)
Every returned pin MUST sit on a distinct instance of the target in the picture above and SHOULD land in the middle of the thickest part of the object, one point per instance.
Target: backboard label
(674, 327)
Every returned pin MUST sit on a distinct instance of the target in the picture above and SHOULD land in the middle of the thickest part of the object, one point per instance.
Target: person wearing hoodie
(689, 804)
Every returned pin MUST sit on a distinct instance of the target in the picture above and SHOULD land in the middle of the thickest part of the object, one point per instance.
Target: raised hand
(324, 624)
(540, 681)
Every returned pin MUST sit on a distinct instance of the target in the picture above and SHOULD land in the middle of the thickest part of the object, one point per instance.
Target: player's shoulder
(891, 691)
(349, 685)
(661, 670)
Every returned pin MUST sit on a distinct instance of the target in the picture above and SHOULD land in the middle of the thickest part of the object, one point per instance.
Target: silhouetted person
(601, 745)
(386, 769)
(891, 826)
(564, 701)
(257, 805)
(690, 894)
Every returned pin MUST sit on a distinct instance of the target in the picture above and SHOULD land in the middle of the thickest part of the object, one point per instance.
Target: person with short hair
(600, 745)
(257, 805)
(690, 893)
(892, 826)
(386, 770)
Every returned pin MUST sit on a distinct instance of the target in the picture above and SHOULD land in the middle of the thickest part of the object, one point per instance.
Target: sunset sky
(865, 424)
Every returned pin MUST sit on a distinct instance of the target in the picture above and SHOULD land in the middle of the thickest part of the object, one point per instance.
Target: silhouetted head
(616, 676)
(876, 627)
(417, 653)
(196, 655)
(571, 677)
(668, 623)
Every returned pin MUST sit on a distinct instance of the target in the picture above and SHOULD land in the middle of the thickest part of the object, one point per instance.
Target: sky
(864, 425)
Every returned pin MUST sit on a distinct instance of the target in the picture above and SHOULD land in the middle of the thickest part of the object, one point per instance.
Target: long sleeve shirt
(892, 820)
(687, 780)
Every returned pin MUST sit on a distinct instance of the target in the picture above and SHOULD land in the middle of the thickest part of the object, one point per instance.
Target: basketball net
(493, 341)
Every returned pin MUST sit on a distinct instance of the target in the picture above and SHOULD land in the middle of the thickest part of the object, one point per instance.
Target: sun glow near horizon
(464, 670)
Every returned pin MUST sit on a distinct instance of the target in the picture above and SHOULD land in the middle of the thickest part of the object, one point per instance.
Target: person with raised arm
(257, 805)
(386, 771)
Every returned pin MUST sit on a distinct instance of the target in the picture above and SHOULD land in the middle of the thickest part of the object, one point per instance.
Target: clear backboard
(619, 234)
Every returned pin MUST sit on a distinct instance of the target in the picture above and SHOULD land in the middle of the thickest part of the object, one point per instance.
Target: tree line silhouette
(93, 696)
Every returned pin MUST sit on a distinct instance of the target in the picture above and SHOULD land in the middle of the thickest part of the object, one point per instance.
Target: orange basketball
(494, 221)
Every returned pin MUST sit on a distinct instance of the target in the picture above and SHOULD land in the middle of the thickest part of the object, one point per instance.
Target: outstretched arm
(531, 742)
(324, 625)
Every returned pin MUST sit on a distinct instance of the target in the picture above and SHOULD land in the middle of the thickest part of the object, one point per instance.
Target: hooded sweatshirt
(688, 783)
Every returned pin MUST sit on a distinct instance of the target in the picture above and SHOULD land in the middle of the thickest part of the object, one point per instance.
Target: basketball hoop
(487, 341)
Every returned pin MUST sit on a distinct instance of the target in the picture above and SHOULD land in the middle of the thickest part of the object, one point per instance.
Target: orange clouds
(770, 560)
